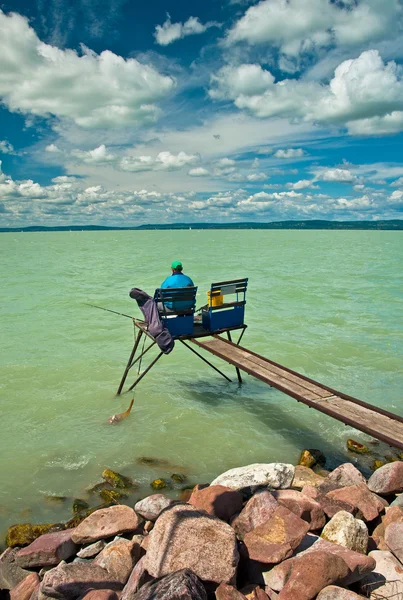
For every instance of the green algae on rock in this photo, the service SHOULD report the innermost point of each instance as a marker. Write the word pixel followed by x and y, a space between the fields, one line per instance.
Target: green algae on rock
pixel 117 480
pixel 177 478
pixel 24 534
pixel 311 457
pixel 158 484
pixel 79 505
pixel 356 447
pixel 112 495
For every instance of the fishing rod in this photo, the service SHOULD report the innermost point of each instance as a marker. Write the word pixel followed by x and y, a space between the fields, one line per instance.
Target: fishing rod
pixel 111 311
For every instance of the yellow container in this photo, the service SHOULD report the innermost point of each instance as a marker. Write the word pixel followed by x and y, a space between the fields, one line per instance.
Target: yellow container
pixel 216 300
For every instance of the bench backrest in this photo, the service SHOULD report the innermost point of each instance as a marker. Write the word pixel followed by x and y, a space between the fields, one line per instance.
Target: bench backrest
pixel 231 312
pixel 176 307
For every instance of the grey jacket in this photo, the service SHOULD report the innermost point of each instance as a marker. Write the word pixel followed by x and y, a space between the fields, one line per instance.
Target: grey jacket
pixel 155 327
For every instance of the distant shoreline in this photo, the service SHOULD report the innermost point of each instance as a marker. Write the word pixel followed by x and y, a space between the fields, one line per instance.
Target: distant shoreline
pixel 383 225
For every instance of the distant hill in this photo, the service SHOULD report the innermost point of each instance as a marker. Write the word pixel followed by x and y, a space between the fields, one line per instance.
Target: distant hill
pixel 389 225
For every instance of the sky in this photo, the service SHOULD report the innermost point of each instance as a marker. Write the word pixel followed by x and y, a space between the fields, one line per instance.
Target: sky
pixel 122 113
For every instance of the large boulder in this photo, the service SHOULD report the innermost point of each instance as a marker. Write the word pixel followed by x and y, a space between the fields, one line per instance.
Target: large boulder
pixel 151 507
pixel 138 577
pixel 394 514
pixel 119 557
pixel 367 504
pixel 26 587
pixel 47 550
pixel 386 580
pixel 106 522
pixel 181 585
pixel 273 475
pixel 394 539
pixel 387 479
pixel 217 500
pixel 308 577
pixel 67 581
pixel 255 512
pixel 330 506
pixel 276 538
pixel 100 595
pixel 228 592
pixel 184 538
pixel 347 531
pixel 10 572
pixel 333 592
pixel 304 507
pixel 346 474
pixel 305 476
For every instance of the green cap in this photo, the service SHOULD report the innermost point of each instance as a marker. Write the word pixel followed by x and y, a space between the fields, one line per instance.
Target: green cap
pixel 176 264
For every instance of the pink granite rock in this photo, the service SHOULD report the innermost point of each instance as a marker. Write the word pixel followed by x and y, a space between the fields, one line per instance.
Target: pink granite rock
pixel 228 592
pixel 184 538
pixel 308 577
pixel 367 504
pixel 387 479
pixel 394 539
pixel 118 558
pixel 386 580
pixel 181 585
pixel 137 578
pixel 10 573
pixel 217 500
pixel 105 523
pixel 394 514
pixel 305 476
pixel 333 592
pixel 330 506
pixel 67 581
pixel 345 475
pixel 304 507
pixel 100 595
pixel 26 587
pixel 151 507
pixel 47 550
pixel 276 538
pixel 256 511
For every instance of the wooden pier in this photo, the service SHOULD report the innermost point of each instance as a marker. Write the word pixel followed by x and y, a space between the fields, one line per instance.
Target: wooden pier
pixel 370 419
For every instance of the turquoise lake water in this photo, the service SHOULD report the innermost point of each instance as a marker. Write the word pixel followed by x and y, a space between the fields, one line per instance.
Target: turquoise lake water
pixel 328 304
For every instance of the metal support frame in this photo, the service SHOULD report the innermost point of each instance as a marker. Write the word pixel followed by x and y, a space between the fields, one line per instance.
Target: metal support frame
pixel 129 363
pixel 150 366
pixel 238 372
pixel 206 361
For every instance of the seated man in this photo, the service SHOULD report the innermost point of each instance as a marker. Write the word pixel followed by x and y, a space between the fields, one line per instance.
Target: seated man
pixel 177 280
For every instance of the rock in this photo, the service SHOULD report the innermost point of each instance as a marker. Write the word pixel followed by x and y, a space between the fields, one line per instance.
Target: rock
pixel 91 550
pixel 75 579
pixel 148 526
pixel 333 592
pixel 398 501
pixel 26 587
pixel 25 533
pixel 47 550
pixel 308 577
pixel 367 503
pixel 255 512
pixel 304 507
pixel 305 476
pixel 151 507
pixel 112 496
pixel 178 478
pixel 184 538
pixel 227 592
pixel 310 458
pixel 394 539
pixel 387 479
pixel 181 585
pixel 272 475
pixel 345 475
pixel 346 531
pixel 159 484
pixel 276 538
pixel 330 506
pixel 117 480
pixel 105 523
pixel 100 595
pixel 10 573
pixel 217 500
pixel 79 505
pixel 394 514
pixel 137 578
pixel 386 580
pixel 377 464
pixel 118 558
pixel 356 447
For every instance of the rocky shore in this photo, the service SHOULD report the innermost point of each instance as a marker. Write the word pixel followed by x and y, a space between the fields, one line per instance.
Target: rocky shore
pixel 258 532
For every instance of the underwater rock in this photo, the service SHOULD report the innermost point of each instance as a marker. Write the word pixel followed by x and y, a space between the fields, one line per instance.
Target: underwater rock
pixel 112 496
pixel 377 464
pixel 55 499
pixel 177 478
pixel 117 480
pixel 79 505
pixel 159 484
pixel 356 447
pixel 312 457
pixel 98 487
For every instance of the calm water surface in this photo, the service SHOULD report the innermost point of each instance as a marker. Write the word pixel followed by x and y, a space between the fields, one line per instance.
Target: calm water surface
pixel 325 303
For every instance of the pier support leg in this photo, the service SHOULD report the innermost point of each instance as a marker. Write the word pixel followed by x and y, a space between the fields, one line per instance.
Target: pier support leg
pixel 206 361
pixel 129 364
pixel 238 372
pixel 145 371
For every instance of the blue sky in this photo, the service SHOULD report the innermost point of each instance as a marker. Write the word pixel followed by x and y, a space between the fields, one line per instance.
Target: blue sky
pixel 121 113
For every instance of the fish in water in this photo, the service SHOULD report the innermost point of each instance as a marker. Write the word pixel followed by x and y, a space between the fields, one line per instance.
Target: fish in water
pixel 121 416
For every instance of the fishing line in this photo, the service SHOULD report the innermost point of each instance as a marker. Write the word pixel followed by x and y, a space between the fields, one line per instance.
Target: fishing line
pixel 109 310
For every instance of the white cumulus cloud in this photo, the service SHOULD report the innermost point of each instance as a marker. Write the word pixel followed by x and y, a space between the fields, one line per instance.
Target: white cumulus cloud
pixel 93 90
pixel 199 172
pixel 99 156
pixel 336 175
pixel 169 32
pixel 165 161
pixel 289 153
pixel 6 147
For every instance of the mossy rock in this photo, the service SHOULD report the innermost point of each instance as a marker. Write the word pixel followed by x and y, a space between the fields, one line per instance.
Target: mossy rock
pixel 377 464
pixel 356 447
pixel 149 461
pixel 177 478
pixel 55 499
pixel 112 495
pixel 98 487
pixel 312 457
pixel 24 534
pixel 79 505
pixel 159 484
pixel 116 480
pixel 390 458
